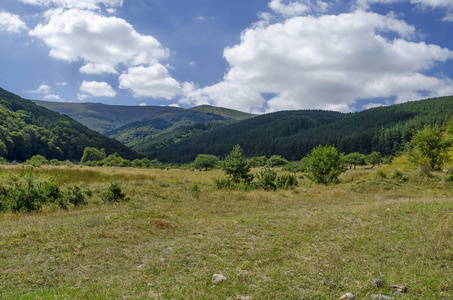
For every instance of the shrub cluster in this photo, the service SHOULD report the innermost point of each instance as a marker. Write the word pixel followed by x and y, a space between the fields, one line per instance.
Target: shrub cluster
pixel 238 175
pixel 28 193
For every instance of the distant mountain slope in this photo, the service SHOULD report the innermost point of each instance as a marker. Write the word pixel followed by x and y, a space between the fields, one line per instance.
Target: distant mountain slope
pixel 136 133
pixel 106 118
pixel 255 135
pixel 27 129
pixel 293 134
pixel 224 112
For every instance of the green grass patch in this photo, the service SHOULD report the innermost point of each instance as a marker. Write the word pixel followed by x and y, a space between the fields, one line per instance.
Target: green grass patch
pixel 166 242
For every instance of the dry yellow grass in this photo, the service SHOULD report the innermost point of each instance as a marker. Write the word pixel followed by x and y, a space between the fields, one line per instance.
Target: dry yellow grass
pixel 313 242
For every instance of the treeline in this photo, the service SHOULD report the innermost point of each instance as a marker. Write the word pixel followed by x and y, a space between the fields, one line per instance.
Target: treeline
pixel 293 134
pixel 27 129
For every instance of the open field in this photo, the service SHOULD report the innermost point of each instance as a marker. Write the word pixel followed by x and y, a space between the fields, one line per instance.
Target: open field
pixel 176 231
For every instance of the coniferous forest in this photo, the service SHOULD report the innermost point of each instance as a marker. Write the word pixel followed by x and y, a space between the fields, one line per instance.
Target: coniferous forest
pixel 292 134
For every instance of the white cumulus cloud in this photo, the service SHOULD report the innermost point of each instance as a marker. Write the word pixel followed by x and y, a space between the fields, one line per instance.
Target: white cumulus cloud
pixel 11 23
pixel 151 81
pixel 79 4
pixel 326 62
pixel 47 92
pixel 103 43
pixel 96 89
pixel 291 8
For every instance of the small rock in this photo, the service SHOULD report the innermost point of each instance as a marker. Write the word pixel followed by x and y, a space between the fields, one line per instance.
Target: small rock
pixel 218 278
pixel 399 288
pixel 347 296
pixel 377 283
pixel 374 296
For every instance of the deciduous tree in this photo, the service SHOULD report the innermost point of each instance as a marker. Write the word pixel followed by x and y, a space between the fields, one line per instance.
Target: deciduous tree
pixel 325 164
pixel 430 147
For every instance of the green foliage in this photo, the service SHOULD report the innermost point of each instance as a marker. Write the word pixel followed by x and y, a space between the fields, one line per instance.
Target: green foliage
pixel 355 159
pixel 325 164
pixel 269 180
pixel 37 161
pixel 257 161
pixel 287 181
pixel 113 194
pixel 235 165
pixel 292 166
pixel 276 161
pixel 28 193
pixel 224 183
pixel 28 129
pixel 205 161
pixel 375 158
pixel 141 163
pixel 398 175
pixel 115 160
pixel 293 134
pixel 24 195
pixel 303 164
pixel 92 155
pixel 266 179
pixel 429 146
pixel 449 177
pixel 76 196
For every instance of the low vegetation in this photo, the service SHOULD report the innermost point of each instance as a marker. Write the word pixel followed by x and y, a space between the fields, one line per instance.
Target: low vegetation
pixel 176 230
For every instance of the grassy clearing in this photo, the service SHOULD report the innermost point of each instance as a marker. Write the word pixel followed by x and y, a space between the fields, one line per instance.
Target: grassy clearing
pixel 313 242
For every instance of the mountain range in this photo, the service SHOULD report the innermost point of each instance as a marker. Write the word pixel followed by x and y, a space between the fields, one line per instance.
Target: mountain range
pixel 173 134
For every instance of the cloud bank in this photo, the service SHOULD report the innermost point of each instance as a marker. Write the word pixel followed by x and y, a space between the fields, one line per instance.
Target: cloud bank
pixel 326 62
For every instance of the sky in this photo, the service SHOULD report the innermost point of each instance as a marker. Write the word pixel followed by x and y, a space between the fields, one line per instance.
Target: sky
pixel 255 56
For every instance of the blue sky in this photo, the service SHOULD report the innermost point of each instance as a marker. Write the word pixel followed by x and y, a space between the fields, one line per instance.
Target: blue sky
pixel 255 55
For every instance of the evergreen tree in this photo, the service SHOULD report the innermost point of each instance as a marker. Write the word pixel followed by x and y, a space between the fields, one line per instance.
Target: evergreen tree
pixel 235 164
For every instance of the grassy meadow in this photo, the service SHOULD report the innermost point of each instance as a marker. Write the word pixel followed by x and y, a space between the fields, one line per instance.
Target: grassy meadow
pixel 176 231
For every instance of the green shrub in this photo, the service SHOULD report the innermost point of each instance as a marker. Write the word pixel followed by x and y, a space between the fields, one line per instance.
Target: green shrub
pixel 113 194
pixel 37 161
pixel 398 175
pixel 52 194
pixel 223 183
pixel 76 196
pixel 287 181
pixel 276 161
pixel 24 194
pixel 266 179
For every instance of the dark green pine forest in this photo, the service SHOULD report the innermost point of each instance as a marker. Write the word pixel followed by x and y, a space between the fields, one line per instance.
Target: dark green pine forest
pixel 27 129
pixel 292 134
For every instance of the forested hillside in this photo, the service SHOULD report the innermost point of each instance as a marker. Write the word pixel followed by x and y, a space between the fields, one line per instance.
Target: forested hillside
pixel 255 135
pixel 292 134
pixel 140 132
pixel 27 129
